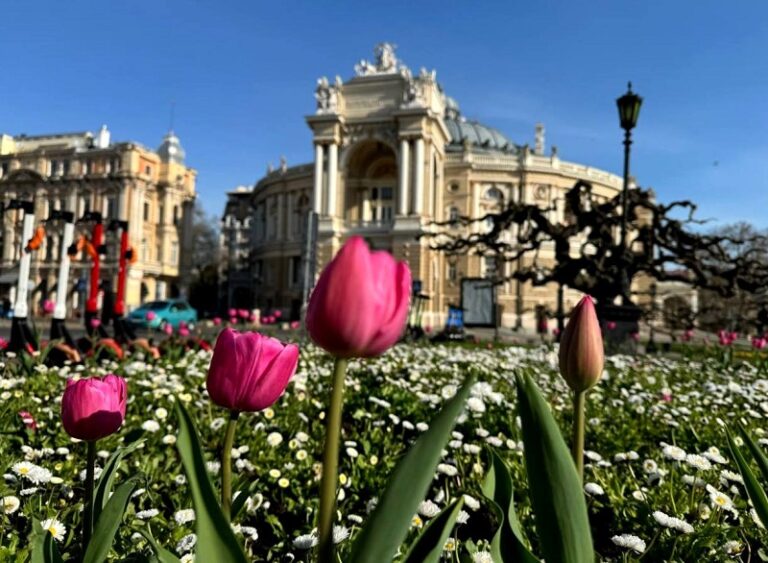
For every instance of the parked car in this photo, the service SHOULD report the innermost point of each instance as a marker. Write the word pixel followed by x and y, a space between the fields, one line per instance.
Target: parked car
pixel 157 314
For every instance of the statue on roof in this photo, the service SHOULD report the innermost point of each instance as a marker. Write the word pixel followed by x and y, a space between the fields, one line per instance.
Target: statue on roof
pixel 385 62
pixel 327 95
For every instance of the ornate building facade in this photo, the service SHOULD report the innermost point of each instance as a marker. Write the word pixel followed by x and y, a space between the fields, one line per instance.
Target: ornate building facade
pixel 153 190
pixel 392 154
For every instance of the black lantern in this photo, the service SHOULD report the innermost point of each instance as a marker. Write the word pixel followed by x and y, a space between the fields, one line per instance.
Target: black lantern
pixel 629 109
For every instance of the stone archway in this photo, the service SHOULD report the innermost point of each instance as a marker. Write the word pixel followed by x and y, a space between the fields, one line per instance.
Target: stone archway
pixel 370 186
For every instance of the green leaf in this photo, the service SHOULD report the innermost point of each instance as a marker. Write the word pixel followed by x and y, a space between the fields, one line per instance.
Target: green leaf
pixel 388 526
pixel 107 478
pixel 757 452
pixel 429 545
pixel 241 498
pixel 109 521
pixel 559 508
pixel 754 489
pixel 162 554
pixel 215 539
pixel 44 548
pixel 508 543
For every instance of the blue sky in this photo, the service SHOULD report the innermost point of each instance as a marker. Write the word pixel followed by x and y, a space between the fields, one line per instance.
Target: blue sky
pixel 242 75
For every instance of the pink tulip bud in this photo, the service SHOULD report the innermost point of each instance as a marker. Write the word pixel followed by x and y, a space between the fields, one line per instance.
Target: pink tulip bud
pixel 168 329
pixel 759 342
pixel 151 316
pixel 581 347
pixel 359 305
pixel 216 321
pixel 232 320
pixel 28 420
pixel 232 313
pixel 244 314
pixel 687 335
pixel 95 323
pixel 295 325
pixel 48 306
pixel 183 331
pixel 249 371
pixel 277 314
pixel 610 325
pixel 3 343
pixel 94 408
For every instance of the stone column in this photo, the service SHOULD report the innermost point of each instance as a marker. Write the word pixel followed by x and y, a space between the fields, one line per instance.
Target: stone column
pixel 317 193
pixel 333 169
pixel 402 195
pixel 418 191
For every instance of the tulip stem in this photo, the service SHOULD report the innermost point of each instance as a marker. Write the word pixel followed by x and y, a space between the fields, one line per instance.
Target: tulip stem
pixel 89 478
pixel 579 401
pixel 331 464
pixel 226 466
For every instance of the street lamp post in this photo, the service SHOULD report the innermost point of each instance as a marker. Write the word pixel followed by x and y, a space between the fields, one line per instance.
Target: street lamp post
pixel 629 110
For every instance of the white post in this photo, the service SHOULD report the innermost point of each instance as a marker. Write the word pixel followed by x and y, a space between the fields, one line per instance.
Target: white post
pixel 418 192
pixel 402 196
pixel 317 194
pixel 333 168
pixel 21 308
pixel 60 312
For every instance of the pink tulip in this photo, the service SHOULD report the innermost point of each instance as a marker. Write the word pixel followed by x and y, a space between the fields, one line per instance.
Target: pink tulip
pixel 759 342
pixel 610 325
pixel 95 323
pixel 724 337
pixel 3 343
pixel 48 306
pixel 232 313
pixel 359 305
pixel 277 314
pixel 28 420
pixel 249 371
pixel 232 320
pixel 244 314
pixel 95 407
pixel 168 329
pixel 216 321
pixel 263 320
pixel 253 318
pixel 687 335
pixel 295 325
pixel 183 331
pixel 581 347
pixel 635 336
pixel 150 316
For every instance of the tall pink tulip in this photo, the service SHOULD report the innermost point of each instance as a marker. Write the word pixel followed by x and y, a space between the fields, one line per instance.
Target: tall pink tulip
pixel 581 365
pixel 94 408
pixel 581 347
pixel 249 371
pixel 360 303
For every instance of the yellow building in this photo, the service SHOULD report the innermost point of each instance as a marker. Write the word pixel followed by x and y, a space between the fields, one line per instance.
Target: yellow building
pixel 153 190
pixel 393 153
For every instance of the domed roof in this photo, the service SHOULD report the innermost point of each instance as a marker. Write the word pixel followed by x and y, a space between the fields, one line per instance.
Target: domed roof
pixel 475 133
pixel 171 150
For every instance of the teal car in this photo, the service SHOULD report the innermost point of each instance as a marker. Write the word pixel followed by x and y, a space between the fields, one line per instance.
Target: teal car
pixel 158 314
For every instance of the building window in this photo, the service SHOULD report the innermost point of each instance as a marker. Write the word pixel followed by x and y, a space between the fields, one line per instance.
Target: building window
pixel 3 169
pixel 452 273
pixel 381 204
pixel 111 208
pixel 159 251
pixel 65 168
pixel 489 263
pixel 144 250
pixel 146 211
pixel 148 170
pixel 295 271
pixel 174 253
pixel 176 215
pixel 87 167
pixel 453 216
pixel 53 168
pixel 453 188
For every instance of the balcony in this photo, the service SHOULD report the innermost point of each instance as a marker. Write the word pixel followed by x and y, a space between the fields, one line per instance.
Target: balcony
pixel 373 226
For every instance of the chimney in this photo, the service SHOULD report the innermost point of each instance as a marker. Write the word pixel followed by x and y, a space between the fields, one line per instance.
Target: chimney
pixel 538 144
